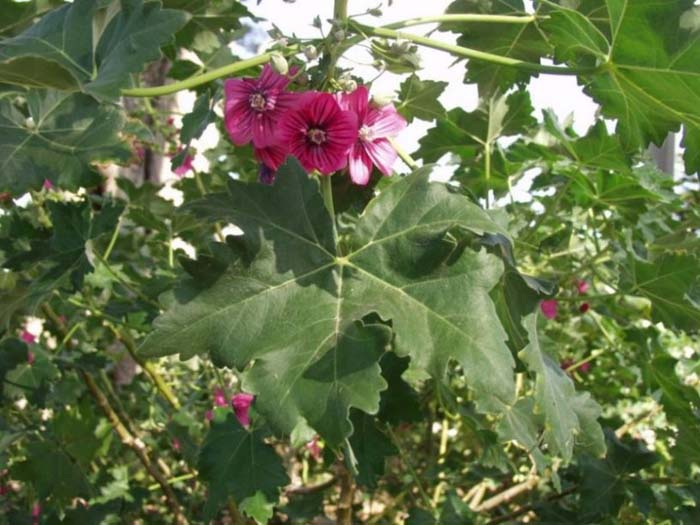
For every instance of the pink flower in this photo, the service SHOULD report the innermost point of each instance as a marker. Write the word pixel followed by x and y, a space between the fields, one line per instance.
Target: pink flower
pixel 209 415
pixel 28 337
pixel 585 368
pixel 241 406
pixel 314 449
pixel 584 308
pixel 36 511
pixel 581 286
pixel 219 397
pixel 272 155
pixel 254 107
pixel 186 166
pixel 176 445
pixel 319 133
pixel 374 126
pixel 48 185
pixel 549 308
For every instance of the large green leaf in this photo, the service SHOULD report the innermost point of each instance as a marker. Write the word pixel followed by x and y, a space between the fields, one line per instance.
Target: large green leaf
pixel 649 76
pixel 294 310
pixel 234 461
pixel 58 138
pixel 89 46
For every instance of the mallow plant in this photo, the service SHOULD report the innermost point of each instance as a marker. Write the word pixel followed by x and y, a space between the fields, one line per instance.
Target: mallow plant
pixel 295 322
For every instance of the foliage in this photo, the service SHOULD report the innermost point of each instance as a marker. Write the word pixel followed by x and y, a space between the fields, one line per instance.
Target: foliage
pixel 309 349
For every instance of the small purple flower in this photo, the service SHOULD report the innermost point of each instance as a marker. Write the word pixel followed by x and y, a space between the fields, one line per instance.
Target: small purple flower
pixel 186 166
pixel 241 406
pixel 581 286
pixel 48 185
pixel 219 397
pixel 28 337
pixel 549 308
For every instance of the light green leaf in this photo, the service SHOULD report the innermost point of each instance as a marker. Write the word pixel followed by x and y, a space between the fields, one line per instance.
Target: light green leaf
pixel 60 51
pixel 258 508
pixel 672 284
pixel 294 309
pixel 419 99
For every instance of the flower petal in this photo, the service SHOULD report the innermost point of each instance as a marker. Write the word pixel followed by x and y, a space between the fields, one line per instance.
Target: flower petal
pixel 359 165
pixel 357 102
pixel 382 154
pixel 385 122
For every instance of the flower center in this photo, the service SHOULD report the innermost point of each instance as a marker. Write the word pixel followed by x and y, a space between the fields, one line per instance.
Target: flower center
pixel 257 102
pixel 366 134
pixel 317 136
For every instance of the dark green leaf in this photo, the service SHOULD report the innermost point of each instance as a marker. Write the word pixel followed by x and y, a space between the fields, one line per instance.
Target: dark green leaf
pixel 419 99
pixel 236 462
pixel 60 51
pixel 370 447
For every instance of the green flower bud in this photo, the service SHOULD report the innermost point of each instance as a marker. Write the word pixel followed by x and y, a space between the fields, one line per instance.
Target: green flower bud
pixel 310 52
pixel 279 63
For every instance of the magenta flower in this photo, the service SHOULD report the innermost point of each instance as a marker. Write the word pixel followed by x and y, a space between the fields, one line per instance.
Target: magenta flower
pixel 48 185
pixel 186 166
pixel 319 133
pixel 375 125
pixel 315 449
pixel 549 308
pixel 209 415
pixel 241 406
pixel 581 286
pixel 219 397
pixel 254 107
pixel 272 155
pixel 176 445
pixel 28 337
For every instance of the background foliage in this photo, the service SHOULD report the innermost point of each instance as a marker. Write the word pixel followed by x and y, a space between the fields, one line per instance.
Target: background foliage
pixel 425 353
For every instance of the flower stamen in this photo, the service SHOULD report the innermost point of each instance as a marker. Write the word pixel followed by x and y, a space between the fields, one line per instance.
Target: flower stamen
pixel 258 102
pixel 317 136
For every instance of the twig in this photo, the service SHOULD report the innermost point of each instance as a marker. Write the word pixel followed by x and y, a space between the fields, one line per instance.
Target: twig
pixel 320 487
pixel 508 494
pixel 347 492
pixel 527 508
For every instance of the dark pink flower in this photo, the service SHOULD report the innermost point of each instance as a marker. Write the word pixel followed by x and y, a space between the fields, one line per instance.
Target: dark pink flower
pixel 176 445
pixel 48 185
pixel 566 363
pixel 219 397
pixel 314 449
pixel 549 308
pixel 186 166
pixel 209 415
pixel 319 133
pixel 30 358
pixel 585 367
pixel 36 511
pixel 581 286
pixel 584 308
pixel 241 406
pixel 254 107
pixel 272 155
pixel 28 337
pixel 4 489
pixel 375 125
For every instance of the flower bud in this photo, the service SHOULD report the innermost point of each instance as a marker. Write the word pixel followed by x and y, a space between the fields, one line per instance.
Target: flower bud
pixel 279 63
pixel 339 35
pixel 382 99
pixel 310 52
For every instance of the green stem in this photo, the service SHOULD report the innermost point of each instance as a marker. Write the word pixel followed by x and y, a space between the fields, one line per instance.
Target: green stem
pixel 466 17
pixel 340 9
pixel 465 52
pixel 327 192
pixel 113 240
pixel 408 160
pixel 198 80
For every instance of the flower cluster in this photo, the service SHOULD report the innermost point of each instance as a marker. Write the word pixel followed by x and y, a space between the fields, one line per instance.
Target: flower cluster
pixel 325 132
